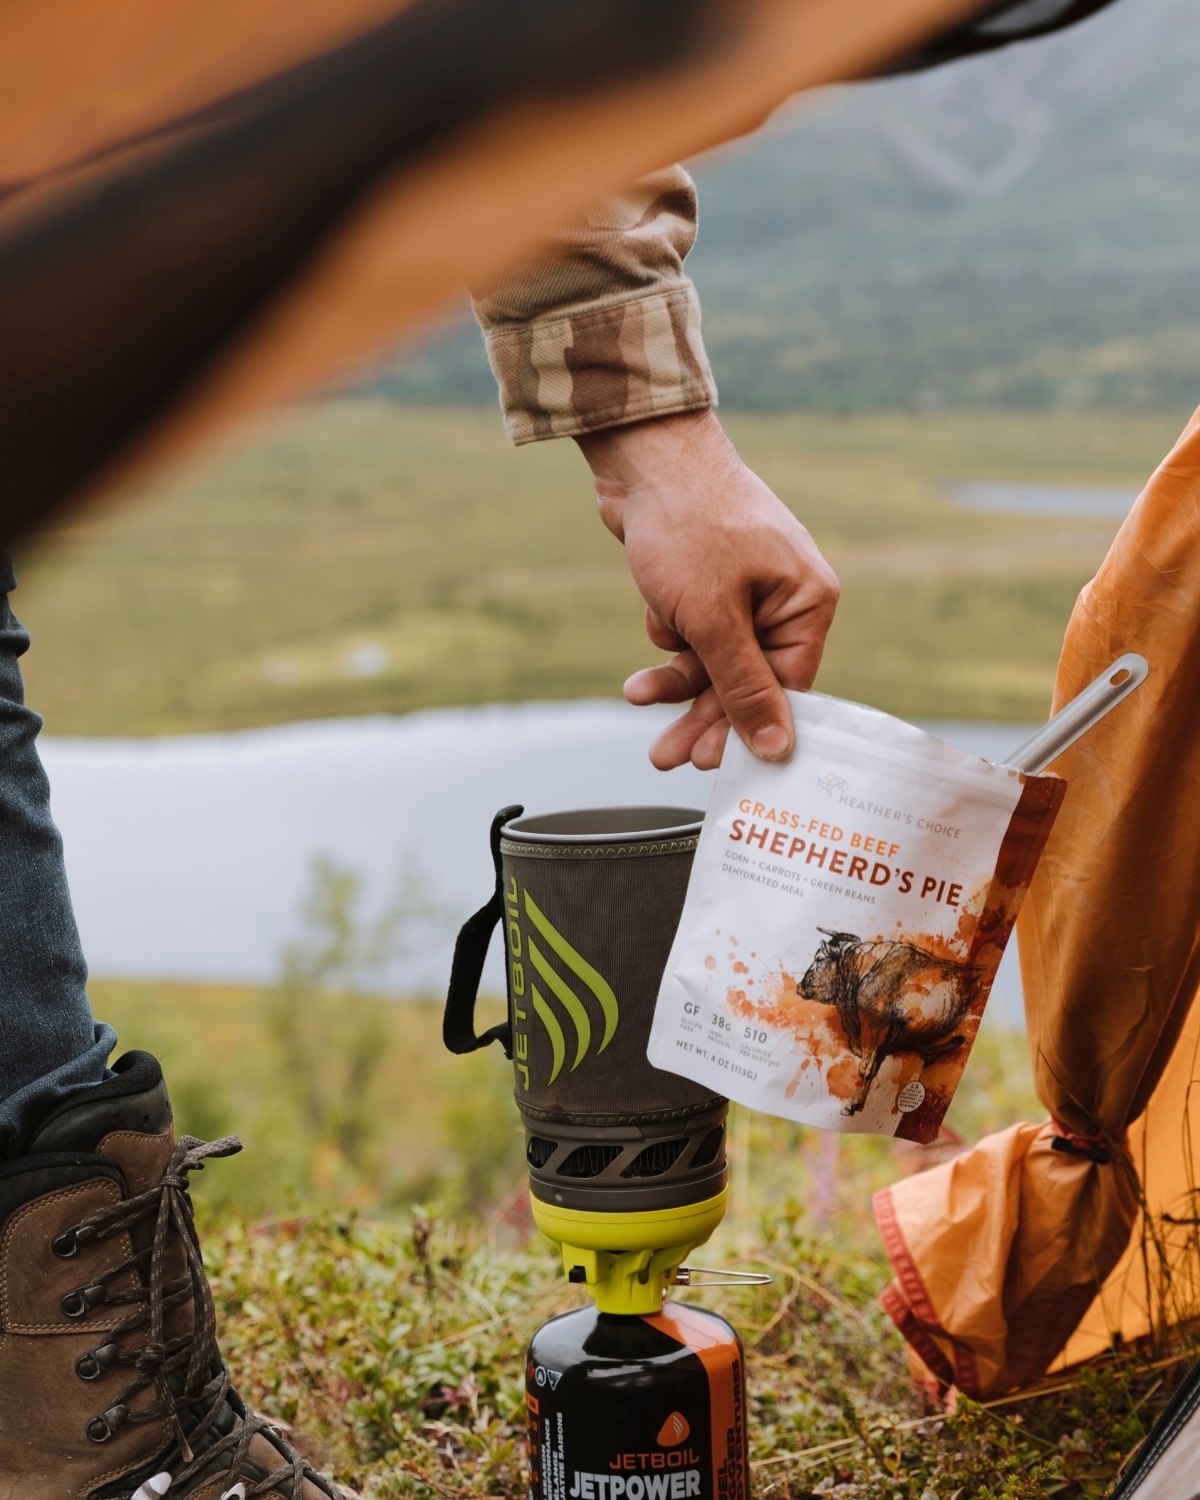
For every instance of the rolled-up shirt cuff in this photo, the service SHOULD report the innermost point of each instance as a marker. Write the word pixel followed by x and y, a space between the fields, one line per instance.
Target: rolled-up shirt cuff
pixel 602 365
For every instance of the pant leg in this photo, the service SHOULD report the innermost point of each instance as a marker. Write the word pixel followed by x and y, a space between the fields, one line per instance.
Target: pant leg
pixel 50 1044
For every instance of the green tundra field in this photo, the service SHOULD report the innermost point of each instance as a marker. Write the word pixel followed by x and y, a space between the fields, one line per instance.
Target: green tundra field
pixel 361 556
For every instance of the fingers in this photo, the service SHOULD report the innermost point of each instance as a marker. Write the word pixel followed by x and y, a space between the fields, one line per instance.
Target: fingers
pixel 750 664
pixel 699 735
pixel 675 744
pixel 695 736
pixel 748 688
pixel 674 681
pixel 754 665
pixel 791 654
pixel 709 748
pixel 795 665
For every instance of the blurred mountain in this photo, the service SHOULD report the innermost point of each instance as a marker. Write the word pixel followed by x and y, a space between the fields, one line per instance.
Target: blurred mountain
pixel 1019 229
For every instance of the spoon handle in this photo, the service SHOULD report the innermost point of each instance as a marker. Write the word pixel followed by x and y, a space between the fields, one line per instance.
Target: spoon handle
pixel 1088 708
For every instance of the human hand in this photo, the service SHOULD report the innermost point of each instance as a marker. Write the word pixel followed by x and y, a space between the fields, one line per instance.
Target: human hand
pixel 733 584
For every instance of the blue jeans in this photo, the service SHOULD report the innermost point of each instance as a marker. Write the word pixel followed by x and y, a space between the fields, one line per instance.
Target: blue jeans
pixel 50 1044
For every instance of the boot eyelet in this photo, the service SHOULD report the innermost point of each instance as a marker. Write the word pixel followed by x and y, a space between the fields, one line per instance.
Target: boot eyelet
pixel 70 1241
pixel 92 1365
pixel 78 1303
pixel 100 1429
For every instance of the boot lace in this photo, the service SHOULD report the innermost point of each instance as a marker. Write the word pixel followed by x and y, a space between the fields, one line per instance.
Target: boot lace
pixel 187 1372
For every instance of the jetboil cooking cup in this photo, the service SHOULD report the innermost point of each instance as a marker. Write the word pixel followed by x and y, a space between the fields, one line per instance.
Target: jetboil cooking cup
pixel 626 1162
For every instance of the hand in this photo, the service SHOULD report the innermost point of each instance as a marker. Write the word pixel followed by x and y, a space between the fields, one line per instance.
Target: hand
pixel 733 584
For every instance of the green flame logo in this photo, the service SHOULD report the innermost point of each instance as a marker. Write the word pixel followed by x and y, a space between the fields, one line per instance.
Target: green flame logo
pixel 568 998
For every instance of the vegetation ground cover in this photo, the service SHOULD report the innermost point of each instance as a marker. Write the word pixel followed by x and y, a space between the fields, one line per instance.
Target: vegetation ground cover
pixel 361 556
pixel 378 1275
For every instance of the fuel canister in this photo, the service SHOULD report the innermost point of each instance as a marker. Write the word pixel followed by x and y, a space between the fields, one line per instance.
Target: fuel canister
pixel 628 1407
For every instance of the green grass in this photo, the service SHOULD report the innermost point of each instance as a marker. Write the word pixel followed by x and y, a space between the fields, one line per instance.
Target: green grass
pixel 392 1335
pixel 396 1351
pixel 249 1061
pixel 237 593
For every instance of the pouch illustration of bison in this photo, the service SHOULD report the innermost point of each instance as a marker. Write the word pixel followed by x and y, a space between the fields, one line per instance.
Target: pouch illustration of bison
pixel 890 997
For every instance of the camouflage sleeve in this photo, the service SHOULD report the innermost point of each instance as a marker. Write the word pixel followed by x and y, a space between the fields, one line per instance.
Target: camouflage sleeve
pixel 604 329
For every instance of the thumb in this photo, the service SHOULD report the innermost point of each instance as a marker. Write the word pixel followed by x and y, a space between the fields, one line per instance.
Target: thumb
pixel 749 690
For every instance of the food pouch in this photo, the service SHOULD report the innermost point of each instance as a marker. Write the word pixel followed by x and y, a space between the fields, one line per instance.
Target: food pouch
pixel 844 920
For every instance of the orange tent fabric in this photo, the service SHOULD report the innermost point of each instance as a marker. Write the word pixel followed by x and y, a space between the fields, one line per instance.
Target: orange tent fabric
pixel 1000 1254
pixel 1156 1282
pixel 207 205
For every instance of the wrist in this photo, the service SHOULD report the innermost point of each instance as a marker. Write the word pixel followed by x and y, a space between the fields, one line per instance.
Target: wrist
pixel 622 457
pixel 649 459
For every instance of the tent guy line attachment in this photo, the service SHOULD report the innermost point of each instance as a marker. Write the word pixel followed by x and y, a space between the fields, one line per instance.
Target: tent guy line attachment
pixel 1084 711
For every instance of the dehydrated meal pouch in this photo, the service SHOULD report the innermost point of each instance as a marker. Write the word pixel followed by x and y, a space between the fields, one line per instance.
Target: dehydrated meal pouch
pixel 844 920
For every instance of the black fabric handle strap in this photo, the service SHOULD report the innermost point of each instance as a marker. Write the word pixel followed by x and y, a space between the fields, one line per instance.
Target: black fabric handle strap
pixel 470 953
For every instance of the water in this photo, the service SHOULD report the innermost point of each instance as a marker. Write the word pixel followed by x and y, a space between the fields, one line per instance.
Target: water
pixel 189 857
pixel 1087 502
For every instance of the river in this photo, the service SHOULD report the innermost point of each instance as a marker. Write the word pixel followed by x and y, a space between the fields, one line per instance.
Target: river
pixel 1079 501
pixel 189 857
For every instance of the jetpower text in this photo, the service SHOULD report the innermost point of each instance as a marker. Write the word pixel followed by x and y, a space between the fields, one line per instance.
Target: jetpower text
pixel 678 1485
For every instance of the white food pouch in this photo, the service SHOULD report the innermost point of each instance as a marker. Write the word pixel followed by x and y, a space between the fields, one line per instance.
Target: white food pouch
pixel 845 917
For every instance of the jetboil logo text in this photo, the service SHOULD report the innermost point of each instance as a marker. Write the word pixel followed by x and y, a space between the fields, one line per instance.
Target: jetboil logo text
pixel 539 985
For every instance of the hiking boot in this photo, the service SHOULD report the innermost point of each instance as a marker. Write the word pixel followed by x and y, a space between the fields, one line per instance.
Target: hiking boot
pixel 109 1369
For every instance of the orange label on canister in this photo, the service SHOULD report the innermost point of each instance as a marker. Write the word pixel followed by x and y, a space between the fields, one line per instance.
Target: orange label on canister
pixel 719 1350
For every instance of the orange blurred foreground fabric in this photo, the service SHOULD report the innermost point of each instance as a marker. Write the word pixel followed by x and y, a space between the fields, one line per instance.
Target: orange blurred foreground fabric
pixel 1002 1254
pixel 209 205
